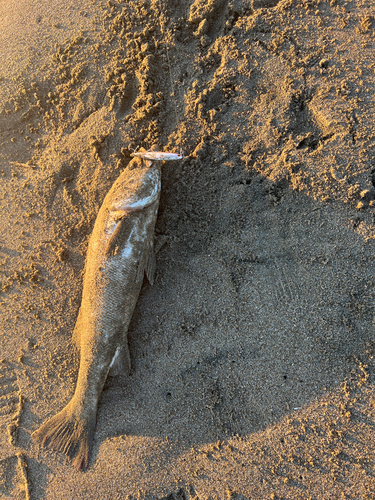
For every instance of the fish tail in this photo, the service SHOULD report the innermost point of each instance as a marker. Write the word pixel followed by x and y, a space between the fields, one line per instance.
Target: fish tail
pixel 69 433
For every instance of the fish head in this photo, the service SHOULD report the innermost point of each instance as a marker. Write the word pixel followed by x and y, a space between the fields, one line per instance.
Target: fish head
pixel 138 186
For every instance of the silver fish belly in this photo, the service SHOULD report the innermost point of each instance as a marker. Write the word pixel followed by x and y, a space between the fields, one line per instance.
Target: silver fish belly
pixel 120 252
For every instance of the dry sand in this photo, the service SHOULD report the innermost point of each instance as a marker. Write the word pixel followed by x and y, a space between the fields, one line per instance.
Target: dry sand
pixel 252 354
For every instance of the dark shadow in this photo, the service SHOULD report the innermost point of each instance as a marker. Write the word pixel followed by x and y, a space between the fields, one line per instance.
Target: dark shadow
pixel 253 314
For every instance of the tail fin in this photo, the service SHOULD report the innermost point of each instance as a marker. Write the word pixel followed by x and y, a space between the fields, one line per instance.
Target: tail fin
pixel 69 433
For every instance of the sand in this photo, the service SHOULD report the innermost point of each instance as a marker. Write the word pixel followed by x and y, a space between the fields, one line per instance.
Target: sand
pixel 252 354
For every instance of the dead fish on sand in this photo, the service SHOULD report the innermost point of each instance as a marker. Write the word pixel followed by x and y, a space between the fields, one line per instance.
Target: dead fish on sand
pixel 120 251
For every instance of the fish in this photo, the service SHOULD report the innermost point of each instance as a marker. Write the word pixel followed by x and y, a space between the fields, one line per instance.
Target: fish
pixel 120 253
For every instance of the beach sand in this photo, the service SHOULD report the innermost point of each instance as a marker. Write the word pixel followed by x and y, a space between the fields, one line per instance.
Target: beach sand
pixel 252 354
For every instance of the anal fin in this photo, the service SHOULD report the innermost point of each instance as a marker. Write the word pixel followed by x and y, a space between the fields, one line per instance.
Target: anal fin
pixel 121 361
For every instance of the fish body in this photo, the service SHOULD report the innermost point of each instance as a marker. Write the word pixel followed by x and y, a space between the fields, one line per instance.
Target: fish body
pixel 120 251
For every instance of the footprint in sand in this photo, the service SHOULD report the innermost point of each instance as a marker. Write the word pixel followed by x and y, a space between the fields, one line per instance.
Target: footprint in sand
pixel 13 469
pixel 9 400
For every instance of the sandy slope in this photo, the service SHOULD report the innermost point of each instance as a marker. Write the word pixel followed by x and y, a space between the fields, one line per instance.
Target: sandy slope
pixel 253 352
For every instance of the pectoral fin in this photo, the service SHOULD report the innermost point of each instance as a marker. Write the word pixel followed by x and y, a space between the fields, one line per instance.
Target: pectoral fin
pixel 119 236
pixel 151 267
pixel 147 264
